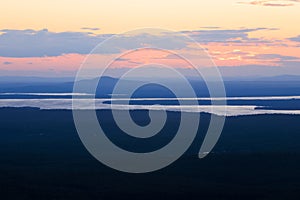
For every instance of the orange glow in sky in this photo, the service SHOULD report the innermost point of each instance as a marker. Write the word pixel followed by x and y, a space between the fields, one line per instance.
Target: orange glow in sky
pixel 280 19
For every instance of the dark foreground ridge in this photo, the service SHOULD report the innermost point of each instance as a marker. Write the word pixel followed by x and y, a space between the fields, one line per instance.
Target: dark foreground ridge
pixel 42 157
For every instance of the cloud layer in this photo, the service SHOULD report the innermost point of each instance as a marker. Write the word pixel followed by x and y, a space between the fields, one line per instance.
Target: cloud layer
pixel 295 39
pixel 272 3
pixel 36 52
pixel 42 43
pixel 223 35
pixel 32 43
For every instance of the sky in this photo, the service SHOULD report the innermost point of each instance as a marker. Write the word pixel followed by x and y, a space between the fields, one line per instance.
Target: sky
pixel 243 37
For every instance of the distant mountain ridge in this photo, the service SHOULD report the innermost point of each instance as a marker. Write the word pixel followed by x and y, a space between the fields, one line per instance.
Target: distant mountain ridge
pixel 267 86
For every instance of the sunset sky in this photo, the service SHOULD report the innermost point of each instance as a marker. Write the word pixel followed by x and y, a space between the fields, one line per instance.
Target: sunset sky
pixel 244 37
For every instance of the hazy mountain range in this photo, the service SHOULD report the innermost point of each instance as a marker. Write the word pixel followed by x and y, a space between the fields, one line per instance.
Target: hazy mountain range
pixel 235 86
